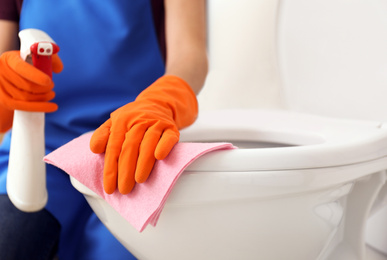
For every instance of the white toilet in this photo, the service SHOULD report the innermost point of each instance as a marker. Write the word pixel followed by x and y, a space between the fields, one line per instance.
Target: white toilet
pixel 302 94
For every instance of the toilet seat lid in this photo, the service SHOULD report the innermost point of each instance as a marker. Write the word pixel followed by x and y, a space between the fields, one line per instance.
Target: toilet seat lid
pixel 301 141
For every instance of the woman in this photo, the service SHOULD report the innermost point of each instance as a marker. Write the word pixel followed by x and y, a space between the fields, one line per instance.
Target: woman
pixel 124 74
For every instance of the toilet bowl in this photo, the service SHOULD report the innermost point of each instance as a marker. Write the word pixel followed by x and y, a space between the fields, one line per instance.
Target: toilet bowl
pixel 299 187
pixel 300 87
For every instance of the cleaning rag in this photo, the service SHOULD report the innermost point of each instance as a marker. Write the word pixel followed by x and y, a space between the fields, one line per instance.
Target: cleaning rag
pixel 144 204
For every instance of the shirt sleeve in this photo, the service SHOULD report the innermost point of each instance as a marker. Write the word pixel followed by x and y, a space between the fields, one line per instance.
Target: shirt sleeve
pixel 10 10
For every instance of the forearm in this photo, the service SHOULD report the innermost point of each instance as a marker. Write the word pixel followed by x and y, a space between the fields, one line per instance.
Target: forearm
pixel 8 41
pixel 186 41
pixel 8 36
pixel 192 67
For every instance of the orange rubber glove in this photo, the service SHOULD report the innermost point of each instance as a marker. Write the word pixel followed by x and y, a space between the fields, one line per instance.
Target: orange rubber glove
pixel 142 131
pixel 24 87
pixel 6 118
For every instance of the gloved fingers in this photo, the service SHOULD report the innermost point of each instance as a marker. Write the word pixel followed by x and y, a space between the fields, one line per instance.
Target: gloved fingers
pixel 146 158
pixel 25 70
pixel 112 154
pixel 40 97
pixel 19 94
pixel 57 65
pixel 129 158
pixel 14 80
pixel 24 87
pixel 169 138
pixel 46 107
pixel 35 105
pixel 119 168
pixel 100 137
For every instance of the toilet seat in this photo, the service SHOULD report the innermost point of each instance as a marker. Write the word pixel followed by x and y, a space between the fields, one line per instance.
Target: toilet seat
pixel 301 141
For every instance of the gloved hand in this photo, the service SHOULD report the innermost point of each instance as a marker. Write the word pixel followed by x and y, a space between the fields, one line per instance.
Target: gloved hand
pixel 142 131
pixel 24 87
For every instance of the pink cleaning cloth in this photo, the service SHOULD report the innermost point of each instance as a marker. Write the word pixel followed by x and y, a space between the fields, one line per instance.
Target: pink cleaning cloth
pixel 144 204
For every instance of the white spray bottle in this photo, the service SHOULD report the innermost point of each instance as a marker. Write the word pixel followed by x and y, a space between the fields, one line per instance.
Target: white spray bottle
pixel 26 179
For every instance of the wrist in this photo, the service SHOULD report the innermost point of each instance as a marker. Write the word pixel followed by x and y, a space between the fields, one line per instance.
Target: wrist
pixel 175 94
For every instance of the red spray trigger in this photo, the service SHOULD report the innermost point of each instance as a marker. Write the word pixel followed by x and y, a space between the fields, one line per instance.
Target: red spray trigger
pixel 42 56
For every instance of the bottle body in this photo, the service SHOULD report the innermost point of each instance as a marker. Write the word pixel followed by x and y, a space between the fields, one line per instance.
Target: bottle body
pixel 26 180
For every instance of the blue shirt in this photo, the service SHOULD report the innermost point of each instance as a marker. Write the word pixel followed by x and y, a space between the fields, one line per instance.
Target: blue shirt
pixel 110 54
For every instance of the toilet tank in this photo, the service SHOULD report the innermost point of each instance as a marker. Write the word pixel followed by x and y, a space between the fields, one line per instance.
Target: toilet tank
pixel 326 57
pixel 332 57
pixel 243 69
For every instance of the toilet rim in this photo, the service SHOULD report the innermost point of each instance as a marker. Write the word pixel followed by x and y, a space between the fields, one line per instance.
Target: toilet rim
pixel 331 152
pixel 310 141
